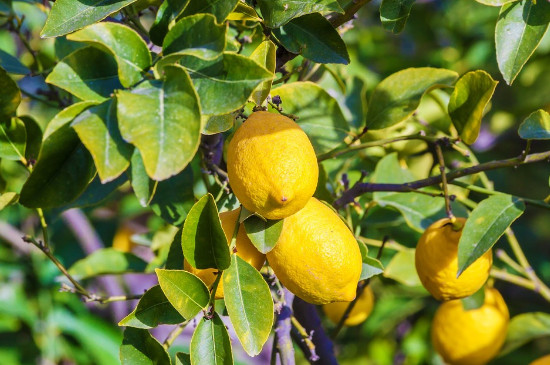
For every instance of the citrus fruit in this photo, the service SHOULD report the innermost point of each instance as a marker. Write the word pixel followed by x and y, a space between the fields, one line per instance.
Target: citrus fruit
pixel 122 240
pixel 316 256
pixel 271 165
pixel 470 337
pixel 245 250
pixel 545 360
pixel 359 313
pixel 437 263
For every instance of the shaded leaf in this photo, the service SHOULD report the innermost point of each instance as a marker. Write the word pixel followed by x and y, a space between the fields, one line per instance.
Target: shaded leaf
pixel 394 14
pixel 219 8
pixel 203 241
pixel 520 28
pixel 13 137
pixel 123 43
pixel 11 64
pixel 536 126
pixel 183 359
pixel 471 94
pixel 398 95
pixel 279 12
pixel 263 234
pixel 139 347
pixel 526 327
pixel 143 186
pixel 174 261
pixel 186 292
pixel 96 192
pixel 11 95
pixel 249 304
pixel 34 137
pixel 106 261
pixel 314 37
pixel 487 222
pixel 8 199
pixel 475 300
pixel 210 343
pixel 264 54
pixel 152 310
pixel 401 268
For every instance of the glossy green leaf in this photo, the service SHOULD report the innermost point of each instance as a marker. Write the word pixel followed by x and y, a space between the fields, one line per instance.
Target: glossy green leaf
pixel 106 261
pixel 219 8
pixel 475 300
pixel 488 221
pixel 264 55
pixel 64 166
pixel 371 266
pixel 34 137
pixel 139 347
pixel 249 304
pixel 8 199
pixel 167 12
pixel 263 234
pixel 95 193
pixel 11 64
pixel 13 137
pixel 183 359
pixel 520 28
pixel 470 97
pixel 11 95
pixel 143 186
pixel 123 43
pixel 203 240
pixel 230 78
pixel 198 35
pixel 162 119
pixel 186 292
pixel 152 310
pixel 174 260
pixel 319 114
pixel 524 328
pixel 210 343
pixel 219 123
pixel 244 12
pixel 79 74
pixel 398 95
pixel 495 2
pixel 536 126
pixel 98 129
pixel 67 16
pixel 394 14
pixel 279 12
pixel 314 37
pixel 401 268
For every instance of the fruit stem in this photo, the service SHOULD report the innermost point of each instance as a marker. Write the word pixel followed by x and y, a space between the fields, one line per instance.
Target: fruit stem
pixel 174 334
pixel 452 218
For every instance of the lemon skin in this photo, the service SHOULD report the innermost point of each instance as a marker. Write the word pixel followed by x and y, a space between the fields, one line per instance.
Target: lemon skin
pixel 545 360
pixel 122 239
pixel 360 312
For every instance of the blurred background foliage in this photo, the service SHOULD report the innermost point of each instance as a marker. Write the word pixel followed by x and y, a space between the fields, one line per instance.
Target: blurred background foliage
pixel 40 325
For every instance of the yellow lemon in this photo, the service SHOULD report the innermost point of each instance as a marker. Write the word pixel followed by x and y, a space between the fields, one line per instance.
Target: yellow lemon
pixel 245 250
pixel 317 257
pixel 271 165
pixel 470 337
pixel 361 310
pixel 545 360
pixel 122 240
pixel 437 263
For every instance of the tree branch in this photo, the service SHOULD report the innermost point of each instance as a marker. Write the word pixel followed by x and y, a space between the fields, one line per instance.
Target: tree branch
pixel 349 13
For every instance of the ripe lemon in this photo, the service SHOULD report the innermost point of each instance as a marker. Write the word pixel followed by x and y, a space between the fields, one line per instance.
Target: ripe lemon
pixel 122 240
pixel 470 337
pixel 437 263
pixel 545 360
pixel 271 165
pixel 359 313
pixel 317 257
pixel 245 250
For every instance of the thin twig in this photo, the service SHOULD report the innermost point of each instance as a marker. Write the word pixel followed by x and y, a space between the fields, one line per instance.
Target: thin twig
pixel 349 13
pixel 443 173
pixel 174 334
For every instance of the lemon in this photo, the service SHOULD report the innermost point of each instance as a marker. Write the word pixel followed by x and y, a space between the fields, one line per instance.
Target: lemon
pixel 122 240
pixel 545 360
pixel 245 250
pixel 470 337
pixel 271 165
pixel 359 313
pixel 437 263
pixel 316 256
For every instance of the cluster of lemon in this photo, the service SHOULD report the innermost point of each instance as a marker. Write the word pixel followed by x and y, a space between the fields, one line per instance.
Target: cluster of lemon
pixel 273 171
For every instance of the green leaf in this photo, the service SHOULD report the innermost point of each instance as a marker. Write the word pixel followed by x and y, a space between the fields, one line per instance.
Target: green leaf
pixel 123 43
pixel 210 343
pixel 13 137
pixel 11 95
pixel 536 126
pixel 80 75
pixel 524 328
pixel 371 266
pixel 174 261
pixel 106 261
pixel 139 347
pixel 264 55
pixel 162 119
pixel 279 12
pixel 471 94
pixel 198 35
pixel 219 123
pixel 230 78
pixel 183 359
pixel 244 12
pixel 495 2
pixel 95 193
pixel 8 199
pixel 98 129
pixel 520 28
pixel 203 242
pixel 263 234
pixel 5 6
pixel 401 268
pixel 398 95
pixel 152 310
pixel 67 16
pixel 488 221
pixel 143 186
pixel 168 11
pixel 34 137
pixel 475 300
pixel 249 304
pixel 314 37
pixel 319 114
pixel 186 292
pixel 219 8
pixel 64 166
pixel 394 14
pixel 11 64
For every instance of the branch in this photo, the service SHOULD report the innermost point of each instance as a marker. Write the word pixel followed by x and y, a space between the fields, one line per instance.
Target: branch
pixel 362 188
pixel 283 326
pixel 349 13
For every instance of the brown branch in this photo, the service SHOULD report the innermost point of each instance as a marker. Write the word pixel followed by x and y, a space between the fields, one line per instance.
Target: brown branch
pixel 349 13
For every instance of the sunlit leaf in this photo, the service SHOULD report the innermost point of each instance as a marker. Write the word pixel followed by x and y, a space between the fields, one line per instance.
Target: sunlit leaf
pixel 106 261
pixel 402 269
pixel 263 234
pixel 13 138
pixel 219 8
pixel 8 199
pixel 280 12
pixel 139 347
pixel 210 343
pixel 10 97
pixel 526 327
pixel 186 292
pixel 264 54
